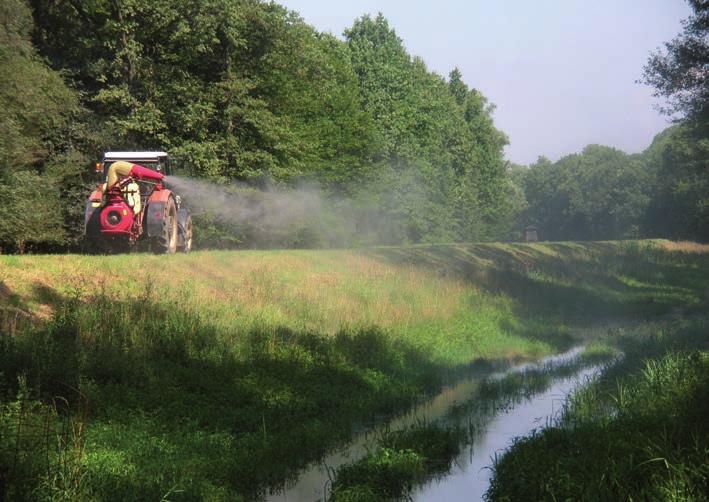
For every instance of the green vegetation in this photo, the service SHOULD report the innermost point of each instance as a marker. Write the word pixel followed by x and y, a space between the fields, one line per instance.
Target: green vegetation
pixel 219 374
pixel 246 95
pixel 603 193
pixel 36 111
pixel 639 432
pixel 402 459
pixel 243 91
pixel 600 193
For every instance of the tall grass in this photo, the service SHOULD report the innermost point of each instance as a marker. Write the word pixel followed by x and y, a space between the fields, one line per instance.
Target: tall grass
pixel 219 374
pixel 173 404
pixel 401 460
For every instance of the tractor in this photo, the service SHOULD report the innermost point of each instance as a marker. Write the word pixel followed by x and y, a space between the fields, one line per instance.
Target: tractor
pixel 132 208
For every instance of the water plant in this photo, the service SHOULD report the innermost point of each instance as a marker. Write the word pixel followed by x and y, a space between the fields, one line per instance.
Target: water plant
pixel 402 459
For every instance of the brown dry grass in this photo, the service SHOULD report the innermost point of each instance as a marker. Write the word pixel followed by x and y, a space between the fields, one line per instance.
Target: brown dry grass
pixel 320 290
pixel 683 246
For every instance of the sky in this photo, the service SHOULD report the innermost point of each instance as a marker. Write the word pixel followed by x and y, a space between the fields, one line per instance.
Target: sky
pixel 562 73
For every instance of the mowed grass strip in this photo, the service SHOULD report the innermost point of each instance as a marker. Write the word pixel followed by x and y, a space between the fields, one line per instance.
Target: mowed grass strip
pixel 236 292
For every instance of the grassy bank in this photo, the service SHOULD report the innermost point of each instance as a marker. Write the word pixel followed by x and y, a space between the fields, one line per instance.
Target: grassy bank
pixel 640 432
pixel 218 374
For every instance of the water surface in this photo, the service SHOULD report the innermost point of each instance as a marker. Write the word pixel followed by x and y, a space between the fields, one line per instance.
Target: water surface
pixel 470 477
pixel 497 420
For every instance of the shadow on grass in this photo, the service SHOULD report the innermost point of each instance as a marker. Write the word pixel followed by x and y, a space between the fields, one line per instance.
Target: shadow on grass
pixel 14 313
pixel 176 406
pixel 571 281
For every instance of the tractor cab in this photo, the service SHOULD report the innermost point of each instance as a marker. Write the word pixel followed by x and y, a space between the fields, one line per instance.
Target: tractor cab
pixel 157 161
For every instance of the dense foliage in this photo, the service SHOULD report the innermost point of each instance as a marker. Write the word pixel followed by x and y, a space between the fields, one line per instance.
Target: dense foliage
pixel 678 161
pixel 680 71
pixel 244 91
pixel 603 193
pixel 36 108
pixel 597 194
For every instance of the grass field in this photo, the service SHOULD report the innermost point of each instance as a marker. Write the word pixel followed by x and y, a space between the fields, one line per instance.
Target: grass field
pixel 216 375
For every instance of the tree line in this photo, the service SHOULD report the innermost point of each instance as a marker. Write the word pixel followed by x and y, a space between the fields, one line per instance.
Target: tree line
pixel 603 193
pixel 244 90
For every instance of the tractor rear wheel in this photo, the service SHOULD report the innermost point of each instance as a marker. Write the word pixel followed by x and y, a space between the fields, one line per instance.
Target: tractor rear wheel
pixel 166 242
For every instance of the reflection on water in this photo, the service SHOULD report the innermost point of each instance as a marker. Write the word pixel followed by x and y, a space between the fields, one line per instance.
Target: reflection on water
pixel 470 476
pixel 498 418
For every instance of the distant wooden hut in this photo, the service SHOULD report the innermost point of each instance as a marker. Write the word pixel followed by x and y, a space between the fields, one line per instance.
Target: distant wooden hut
pixel 530 234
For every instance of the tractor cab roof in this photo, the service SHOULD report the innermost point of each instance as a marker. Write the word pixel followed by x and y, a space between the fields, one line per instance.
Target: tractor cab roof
pixel 158 161
pixel 135 156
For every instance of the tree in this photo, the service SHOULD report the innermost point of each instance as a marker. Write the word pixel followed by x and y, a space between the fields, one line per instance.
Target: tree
pixel 679 206
pixel 35 112
pixel 34 101
pixel 681 72
pixel 601 193
pixel 485 158
pixel 30 213
pixel 239 88
pixel 678 156
pixel 434 133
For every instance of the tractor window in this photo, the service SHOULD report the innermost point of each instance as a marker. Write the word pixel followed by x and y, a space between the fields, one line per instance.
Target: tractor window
pixel 165 166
